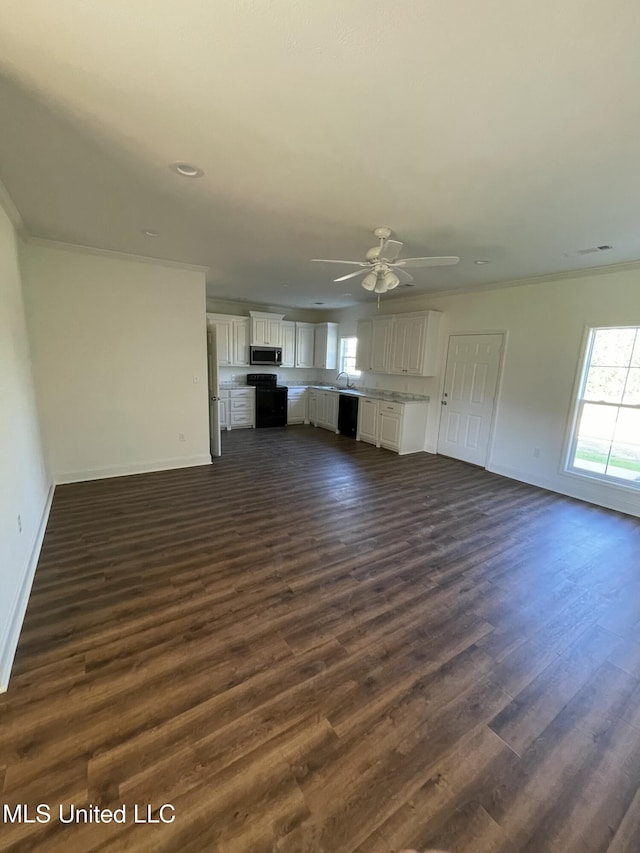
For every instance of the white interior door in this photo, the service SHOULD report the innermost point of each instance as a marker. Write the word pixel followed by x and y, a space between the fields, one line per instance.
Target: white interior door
pixel 214 392
pixel 471 379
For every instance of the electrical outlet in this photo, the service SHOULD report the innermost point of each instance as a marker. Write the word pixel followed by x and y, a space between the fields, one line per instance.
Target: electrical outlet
pixel 180 436
pixel 19 524
pixel 536 453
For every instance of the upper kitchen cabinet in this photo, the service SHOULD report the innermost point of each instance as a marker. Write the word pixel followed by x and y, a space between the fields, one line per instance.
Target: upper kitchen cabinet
pixel 232 339
pixel 414 344
pixel 363 351
pixel 288 337
pixel 266 329
pixel 305 338
pixel 326 346
pixel 374 345
pixel 403 344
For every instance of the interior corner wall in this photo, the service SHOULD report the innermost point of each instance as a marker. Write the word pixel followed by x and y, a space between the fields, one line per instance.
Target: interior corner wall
pixel 120 362
pixel 25 486
pixel 544 323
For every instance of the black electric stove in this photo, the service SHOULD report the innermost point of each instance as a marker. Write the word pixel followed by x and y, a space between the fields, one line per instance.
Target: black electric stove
pixel 271 400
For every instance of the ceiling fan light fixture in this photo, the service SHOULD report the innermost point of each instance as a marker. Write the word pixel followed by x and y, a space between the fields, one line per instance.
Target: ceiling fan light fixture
pixel 380 287
pixel 391 280
pixel 369 281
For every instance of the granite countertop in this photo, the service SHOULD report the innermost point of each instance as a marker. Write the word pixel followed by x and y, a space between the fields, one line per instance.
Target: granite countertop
pixel 372 393
pixel 376 394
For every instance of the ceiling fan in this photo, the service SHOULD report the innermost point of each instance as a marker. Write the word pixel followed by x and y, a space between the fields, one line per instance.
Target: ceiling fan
pixel 381 269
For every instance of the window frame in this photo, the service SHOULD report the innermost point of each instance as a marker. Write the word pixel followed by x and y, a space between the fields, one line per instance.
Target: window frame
pixel 354 372
pixel 578 402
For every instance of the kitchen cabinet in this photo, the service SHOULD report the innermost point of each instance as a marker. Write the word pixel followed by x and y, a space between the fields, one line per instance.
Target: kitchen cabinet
pixel 312 403
pixel 368 420
pixel 266 329
pixel 240 342
pixel 232 339
pixel 325 350
pixel 374 345
pixel 305 340
pixel 390 416
pixel 404 344
pixel 242 408
pixel 363 349
pixel 393 425
pixel 381 334
pixel 297 406
pixel 224 340
pixel 223 409
pixel 323 405
pixel 414 344
pixel 288 337
pixel 407 345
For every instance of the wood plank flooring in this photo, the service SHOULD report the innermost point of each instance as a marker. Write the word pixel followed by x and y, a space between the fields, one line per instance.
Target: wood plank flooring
pixel 314 646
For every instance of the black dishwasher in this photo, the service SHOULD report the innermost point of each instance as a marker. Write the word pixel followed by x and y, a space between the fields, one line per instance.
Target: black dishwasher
pixel 348 415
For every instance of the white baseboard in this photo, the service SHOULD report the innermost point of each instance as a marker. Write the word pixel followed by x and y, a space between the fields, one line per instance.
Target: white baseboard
pixel 135 468
pixel 601 494
pixel 11 634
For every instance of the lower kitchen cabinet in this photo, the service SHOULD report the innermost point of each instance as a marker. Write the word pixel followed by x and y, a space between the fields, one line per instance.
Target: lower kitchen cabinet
pixel 368 420
pixel 297 406
pixel 390 420
pixel 323 408
pixel 223 409
pixel 237 408
pixel 396 426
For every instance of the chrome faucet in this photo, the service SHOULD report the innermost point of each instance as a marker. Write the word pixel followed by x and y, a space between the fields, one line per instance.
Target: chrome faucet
pixel 344 373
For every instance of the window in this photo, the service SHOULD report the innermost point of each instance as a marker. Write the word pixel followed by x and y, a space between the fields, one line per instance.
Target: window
pixel 606 436
pixel 347 361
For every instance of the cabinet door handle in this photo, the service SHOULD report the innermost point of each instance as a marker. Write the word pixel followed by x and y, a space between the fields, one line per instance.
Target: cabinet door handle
pixel 444 402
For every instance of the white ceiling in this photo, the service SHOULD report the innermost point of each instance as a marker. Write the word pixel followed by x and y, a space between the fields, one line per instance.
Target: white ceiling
pixel 483 128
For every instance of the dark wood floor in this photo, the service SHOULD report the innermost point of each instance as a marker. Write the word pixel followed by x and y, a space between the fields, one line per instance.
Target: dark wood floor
pixel 314 646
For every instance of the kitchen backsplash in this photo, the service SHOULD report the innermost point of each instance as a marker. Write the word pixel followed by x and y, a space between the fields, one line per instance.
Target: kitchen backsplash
pixel 290 376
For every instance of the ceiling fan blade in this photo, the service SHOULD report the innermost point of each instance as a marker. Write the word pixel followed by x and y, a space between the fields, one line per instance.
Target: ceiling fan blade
pixel 390 250
pixel 328 261
pixel 427 262
pixel 350 275
pixel 404 277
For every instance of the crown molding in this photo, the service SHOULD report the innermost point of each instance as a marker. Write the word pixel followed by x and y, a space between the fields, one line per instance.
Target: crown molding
pixel 109 253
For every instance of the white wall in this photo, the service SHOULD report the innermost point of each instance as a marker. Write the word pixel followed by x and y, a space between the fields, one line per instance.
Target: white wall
pixel 544 323
pixel 117 343
pixel 25 488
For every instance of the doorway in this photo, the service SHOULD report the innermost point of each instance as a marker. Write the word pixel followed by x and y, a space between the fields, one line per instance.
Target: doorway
pixel 215 445
pixel 469 396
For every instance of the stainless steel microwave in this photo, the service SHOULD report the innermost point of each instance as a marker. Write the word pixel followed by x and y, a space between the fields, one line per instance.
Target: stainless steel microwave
pixel 265 355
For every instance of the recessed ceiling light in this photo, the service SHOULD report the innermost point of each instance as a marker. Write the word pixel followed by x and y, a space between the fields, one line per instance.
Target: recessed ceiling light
pixel 151 233
pixel 187 170
pixel 479 262
pixel 346 294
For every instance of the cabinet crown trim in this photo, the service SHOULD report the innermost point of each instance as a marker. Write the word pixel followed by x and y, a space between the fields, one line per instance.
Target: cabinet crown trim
pixel 262 315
